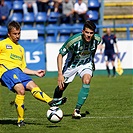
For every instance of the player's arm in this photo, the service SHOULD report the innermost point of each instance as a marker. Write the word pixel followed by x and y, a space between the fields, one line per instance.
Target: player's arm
pixel 60 75
pixel 39 73
pixel 62 52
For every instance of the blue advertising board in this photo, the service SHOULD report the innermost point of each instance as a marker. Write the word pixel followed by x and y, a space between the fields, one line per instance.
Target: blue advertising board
pixel 34 54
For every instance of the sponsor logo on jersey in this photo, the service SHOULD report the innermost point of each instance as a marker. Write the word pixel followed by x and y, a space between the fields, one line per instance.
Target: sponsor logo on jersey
pixel 85 52
pixel 15 57
pixel 8 46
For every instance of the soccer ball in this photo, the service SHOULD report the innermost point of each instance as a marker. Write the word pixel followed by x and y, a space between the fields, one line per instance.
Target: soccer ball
pixel 54 114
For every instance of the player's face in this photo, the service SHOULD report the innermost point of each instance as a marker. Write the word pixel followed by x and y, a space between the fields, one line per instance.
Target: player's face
pixel 14 35
pixel 88 34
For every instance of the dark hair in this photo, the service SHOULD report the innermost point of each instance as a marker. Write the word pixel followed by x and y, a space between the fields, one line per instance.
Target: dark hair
pixel 89 24
pixel 13 24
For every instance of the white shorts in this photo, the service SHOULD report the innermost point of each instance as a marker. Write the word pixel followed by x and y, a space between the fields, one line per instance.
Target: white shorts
pixel 70 73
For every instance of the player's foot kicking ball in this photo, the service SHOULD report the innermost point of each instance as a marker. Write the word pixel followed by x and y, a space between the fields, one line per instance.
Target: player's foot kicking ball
pixel 57 101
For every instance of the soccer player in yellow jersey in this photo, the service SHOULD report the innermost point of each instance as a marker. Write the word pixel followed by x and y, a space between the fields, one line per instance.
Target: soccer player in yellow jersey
pixel 15 75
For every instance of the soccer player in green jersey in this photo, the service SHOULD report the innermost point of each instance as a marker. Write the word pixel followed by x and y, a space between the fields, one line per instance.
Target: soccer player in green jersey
pixel 15 75
pixel 80 49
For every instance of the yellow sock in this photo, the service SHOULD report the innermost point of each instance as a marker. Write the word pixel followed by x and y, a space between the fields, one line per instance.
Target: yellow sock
pixel 38 94
pixel 19 102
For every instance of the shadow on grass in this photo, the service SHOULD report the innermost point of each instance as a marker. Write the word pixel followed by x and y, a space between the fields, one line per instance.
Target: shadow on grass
pixel 14 122
pixel 53 126
pixel 4 122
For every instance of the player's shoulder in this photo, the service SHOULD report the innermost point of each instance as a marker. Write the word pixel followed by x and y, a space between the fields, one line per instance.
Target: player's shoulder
pixel 4 41
pixel 77 35
pixel 97 37
pixel 75 38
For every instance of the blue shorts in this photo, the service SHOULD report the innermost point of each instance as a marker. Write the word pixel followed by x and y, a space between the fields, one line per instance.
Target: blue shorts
pixel 11 77
pixel 109 56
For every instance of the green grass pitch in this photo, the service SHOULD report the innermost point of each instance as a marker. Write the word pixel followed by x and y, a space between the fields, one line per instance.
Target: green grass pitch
pixel 109 104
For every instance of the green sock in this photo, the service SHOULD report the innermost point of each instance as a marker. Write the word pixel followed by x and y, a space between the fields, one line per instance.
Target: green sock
pixel 82 96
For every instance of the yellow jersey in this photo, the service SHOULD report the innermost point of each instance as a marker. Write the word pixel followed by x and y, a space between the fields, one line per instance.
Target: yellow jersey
pixel 11 56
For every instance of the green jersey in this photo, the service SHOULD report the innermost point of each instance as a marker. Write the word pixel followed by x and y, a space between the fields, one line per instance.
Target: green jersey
pixel 79 52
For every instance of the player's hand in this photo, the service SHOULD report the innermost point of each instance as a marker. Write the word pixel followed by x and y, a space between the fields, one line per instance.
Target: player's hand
pixel 61 81
pixel 40 73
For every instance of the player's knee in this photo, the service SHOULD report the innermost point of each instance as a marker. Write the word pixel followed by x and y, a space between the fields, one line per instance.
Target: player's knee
pixel 19 88
pixel 21 92
pixel 86 81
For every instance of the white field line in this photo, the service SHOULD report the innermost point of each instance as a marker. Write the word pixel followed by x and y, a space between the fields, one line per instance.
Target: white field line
pixel 87 117
pixel 108 117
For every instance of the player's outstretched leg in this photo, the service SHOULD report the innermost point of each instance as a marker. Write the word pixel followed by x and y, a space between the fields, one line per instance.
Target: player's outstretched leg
pixel 38 94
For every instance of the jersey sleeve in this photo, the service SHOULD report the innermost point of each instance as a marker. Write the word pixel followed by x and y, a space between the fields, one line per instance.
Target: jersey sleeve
pixel 70 44
pixel 97 38
pixel 63 50
pixel 96 41
pixel 67 46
